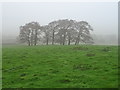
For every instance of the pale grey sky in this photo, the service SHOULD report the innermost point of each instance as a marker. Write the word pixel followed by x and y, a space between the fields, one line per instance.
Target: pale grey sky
pixel 102 16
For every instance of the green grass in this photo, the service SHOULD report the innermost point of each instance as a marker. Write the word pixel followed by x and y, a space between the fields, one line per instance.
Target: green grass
pixel 82 66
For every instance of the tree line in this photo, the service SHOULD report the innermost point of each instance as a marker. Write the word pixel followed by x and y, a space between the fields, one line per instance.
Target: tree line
pixel 63 32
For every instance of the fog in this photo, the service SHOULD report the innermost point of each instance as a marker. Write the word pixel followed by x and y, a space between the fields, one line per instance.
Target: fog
pixel 102 16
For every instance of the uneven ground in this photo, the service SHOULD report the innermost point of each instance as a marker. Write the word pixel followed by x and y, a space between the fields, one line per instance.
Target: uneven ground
pixel 60 66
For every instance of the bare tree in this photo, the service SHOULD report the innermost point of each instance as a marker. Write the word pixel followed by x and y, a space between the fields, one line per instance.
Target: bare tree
pixel 24 35
pixel 70 31
pixel 46 33
pixel 61 31
pixel 83 29
pixel 64 25
pixel 29 33
pixel 53 28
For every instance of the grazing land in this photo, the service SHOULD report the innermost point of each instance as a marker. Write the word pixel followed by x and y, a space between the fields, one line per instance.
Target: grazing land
pixel 56 66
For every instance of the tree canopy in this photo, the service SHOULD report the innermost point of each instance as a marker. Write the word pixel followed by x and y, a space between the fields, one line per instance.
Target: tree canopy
pixel 63 32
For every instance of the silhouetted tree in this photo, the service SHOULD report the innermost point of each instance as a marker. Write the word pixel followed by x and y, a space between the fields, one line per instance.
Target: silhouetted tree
pixel 46 33
pixel 24 35
pixel 29 33
pixel 63 31
pixel 64 25
pixel 83 35
pixel 53 29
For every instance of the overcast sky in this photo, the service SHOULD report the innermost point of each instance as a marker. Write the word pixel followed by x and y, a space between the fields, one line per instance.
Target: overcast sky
pixel 102 16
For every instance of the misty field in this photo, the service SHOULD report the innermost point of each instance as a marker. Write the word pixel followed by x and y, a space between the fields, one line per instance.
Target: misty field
pixel 80 66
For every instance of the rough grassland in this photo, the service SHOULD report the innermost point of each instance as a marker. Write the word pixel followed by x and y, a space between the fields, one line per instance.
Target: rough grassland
pixel 60 66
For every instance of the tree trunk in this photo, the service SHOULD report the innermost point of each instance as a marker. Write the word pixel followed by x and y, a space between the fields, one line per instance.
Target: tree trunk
pixel 77 39
pixel 32 38
pixel 35 38
pixel 28 38
pixel 76 42
pixel 69 40
pixel 60 40
pixel 64 39
pixel 28 43
pixel 53 37
pixel 47 41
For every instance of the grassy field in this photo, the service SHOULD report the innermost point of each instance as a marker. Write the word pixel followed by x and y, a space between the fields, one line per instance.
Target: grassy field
pixel 82 66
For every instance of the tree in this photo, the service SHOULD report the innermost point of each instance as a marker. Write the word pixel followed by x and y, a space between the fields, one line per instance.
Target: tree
pixel 24 35
pixel 53 28
pixel 29 33
pixel 83 29
pixel 70 31
pixel 63 31
pixel 64 25
pixel 46 33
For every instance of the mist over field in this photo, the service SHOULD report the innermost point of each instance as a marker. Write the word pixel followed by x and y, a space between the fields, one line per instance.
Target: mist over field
pixel 98 40
pixel 102 16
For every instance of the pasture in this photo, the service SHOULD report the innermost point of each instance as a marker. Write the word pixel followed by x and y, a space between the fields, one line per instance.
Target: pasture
pixel 55 66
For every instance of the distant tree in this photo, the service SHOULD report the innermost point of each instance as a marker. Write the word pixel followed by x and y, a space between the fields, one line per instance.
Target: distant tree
pixel 63 31
pixel 64 25
pixel 83 35
pixel 29 33
pixel 53 29
pixel 70 31
pixel 24 35
pixel 46 33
